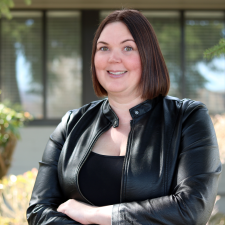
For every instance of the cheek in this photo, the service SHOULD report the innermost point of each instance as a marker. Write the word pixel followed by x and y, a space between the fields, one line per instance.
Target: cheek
pixel 99 66
pixel 136 67
pixel 134 63
pixel 99 61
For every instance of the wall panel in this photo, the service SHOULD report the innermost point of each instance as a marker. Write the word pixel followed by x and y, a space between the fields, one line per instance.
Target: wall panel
pixel 108 4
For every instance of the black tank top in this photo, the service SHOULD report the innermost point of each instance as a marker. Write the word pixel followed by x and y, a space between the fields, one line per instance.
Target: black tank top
pixel 100 179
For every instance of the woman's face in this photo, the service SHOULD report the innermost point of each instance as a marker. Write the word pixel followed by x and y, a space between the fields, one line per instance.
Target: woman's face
pixel 117 61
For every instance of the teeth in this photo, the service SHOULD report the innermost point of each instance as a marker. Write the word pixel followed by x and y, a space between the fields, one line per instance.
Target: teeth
pixel 117 73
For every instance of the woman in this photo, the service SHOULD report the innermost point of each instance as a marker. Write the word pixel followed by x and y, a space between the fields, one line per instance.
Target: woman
pixel 137 157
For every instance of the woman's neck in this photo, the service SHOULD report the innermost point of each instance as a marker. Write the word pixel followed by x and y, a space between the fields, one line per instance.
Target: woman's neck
pixel 121 107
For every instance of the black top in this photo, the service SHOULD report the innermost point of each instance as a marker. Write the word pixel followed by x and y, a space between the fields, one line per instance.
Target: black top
pixel 100 179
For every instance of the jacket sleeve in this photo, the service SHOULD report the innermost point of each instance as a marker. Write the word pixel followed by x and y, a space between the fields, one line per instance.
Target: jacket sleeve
pixel 46 195
pixel 195 181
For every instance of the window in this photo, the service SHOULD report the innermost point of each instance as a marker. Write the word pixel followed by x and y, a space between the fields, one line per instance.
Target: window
pixel 21 64
pixel 64 84
pixel 204 79
pixel 46 88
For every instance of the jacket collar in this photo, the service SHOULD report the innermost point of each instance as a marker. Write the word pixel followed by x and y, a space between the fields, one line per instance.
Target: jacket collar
pixel 135 112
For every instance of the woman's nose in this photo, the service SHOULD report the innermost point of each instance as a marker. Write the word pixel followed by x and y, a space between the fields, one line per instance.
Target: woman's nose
pixel 114 57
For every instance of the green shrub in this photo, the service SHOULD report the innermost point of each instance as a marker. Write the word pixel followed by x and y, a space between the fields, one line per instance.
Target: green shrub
pixel 10 123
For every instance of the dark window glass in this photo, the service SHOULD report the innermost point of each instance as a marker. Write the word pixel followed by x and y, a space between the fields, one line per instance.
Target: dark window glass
pixel 21 65
pixel 204 79
pixel 64 81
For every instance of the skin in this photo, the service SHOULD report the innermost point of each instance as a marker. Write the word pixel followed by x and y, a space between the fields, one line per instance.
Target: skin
pixel 116 53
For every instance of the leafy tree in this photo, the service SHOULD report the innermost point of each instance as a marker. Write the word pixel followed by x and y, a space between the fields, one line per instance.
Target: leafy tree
pixel 5 6
pixel 216 50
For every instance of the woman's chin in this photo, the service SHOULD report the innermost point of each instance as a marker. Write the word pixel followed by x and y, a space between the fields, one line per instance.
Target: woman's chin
pixel 115 90
pixel 119 92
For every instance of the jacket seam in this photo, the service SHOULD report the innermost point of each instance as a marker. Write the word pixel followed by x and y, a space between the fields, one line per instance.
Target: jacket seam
pixel 167 160
pixel 126 163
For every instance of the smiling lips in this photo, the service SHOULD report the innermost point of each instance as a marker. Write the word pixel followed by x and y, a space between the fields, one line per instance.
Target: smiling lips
pixel 116 74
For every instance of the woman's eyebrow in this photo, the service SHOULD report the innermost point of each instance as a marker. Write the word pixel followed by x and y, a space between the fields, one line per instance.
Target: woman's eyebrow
pixel 102 42
pixel 127 40
pixel 105 43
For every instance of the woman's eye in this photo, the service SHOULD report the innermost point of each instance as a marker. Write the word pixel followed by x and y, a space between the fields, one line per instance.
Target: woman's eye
pixel 104 49
pixel 128 48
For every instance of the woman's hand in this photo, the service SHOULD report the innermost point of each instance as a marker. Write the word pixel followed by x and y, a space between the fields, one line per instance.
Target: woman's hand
pixel 76 210
pixel 86 214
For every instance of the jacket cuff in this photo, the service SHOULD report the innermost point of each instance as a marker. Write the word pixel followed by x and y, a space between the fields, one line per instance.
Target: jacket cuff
pixel 118 215
pixel 115 215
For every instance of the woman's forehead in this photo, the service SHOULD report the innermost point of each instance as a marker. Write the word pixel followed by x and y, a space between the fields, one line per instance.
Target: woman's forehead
pixel 115 31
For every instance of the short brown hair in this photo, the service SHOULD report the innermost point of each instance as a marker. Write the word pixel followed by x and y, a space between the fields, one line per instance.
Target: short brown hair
pixel 155 77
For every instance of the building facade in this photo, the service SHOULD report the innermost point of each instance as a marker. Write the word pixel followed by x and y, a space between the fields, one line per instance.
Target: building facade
pixel 45 53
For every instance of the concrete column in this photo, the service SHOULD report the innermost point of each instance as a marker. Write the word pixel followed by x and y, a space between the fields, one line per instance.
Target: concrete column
pixel 89 24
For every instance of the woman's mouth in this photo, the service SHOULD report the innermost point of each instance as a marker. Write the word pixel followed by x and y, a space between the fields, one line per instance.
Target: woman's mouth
pixel 116 74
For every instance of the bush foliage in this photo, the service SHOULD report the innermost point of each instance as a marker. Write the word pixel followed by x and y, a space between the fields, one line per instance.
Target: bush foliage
pixel 15 196
pixel 10 123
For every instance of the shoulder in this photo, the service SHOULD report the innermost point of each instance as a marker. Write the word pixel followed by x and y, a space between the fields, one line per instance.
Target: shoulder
pixel 186 105
pixel 83 109
pixel 86 108
pixel 73 115
pixel 186 109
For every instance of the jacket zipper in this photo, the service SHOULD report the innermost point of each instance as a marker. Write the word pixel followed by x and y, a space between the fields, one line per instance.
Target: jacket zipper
pixel 125 159
pixel 88 153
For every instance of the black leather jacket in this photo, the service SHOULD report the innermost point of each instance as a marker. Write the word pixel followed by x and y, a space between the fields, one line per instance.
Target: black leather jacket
pixel 171 168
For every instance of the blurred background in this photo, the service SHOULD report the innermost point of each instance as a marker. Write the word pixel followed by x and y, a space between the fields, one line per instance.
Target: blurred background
pixel 45 53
